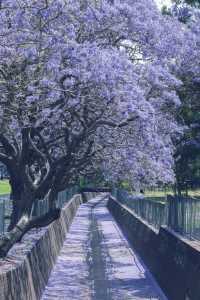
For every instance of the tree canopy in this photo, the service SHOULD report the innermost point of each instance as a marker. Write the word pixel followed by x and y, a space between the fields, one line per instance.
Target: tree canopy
pixel 87 85
pixel 73 71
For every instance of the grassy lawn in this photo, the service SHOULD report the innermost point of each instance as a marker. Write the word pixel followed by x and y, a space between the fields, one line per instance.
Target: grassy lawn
pixel 191 193
pixel 159 196
pixel 4 187
pixel 194 193
pixel 157 193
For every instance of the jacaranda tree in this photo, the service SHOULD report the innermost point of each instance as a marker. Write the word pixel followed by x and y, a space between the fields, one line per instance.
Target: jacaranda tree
pixel 84 85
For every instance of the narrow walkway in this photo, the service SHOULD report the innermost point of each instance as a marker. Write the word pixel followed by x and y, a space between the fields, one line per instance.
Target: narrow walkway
pixel 97 263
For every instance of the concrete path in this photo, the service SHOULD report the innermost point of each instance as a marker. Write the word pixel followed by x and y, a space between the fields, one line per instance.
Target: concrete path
pixel 97 263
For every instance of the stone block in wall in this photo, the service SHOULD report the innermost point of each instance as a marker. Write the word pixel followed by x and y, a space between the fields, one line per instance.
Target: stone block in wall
pixel 180 259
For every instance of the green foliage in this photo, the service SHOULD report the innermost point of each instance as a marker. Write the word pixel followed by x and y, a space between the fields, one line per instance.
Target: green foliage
pixel 190 2
pixel 4 187
pixel 125 185
pixel 165 10
pixel 193 2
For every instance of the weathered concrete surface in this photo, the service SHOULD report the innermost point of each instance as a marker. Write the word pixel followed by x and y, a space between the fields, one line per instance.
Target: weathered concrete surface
pixel 174 261
pixel 24 274
pixel 97 263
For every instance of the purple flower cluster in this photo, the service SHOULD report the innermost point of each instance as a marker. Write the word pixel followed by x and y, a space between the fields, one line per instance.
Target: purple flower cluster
pixel 98 80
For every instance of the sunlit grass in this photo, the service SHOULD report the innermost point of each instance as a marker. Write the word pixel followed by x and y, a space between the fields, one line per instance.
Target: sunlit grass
pixel 194 193
pixel 164 193
pixel 4 187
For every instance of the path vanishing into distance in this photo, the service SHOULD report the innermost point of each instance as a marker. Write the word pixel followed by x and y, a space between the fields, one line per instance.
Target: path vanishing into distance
pixel 97 263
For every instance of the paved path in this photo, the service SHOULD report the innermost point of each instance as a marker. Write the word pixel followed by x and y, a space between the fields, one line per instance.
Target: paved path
pixel 96 262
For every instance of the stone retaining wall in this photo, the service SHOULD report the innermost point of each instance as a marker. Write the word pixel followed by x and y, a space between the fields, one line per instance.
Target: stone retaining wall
pixel 173 260
pixel 25 272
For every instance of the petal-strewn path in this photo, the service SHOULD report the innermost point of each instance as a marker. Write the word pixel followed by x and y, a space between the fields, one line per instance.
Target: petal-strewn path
pixel 96 262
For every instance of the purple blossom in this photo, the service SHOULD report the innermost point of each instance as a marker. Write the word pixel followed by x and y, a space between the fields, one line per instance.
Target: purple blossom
pixel 87 68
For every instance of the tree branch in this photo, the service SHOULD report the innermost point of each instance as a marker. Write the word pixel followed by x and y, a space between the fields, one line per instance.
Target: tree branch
pixel 9 149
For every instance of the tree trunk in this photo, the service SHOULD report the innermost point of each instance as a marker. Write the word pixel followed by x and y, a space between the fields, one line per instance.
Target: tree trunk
pixel 22 220
pixel 16 196
pixel 22 202
pixel 52 197
pixel 16 210
pixel 25 224
pixel 24 194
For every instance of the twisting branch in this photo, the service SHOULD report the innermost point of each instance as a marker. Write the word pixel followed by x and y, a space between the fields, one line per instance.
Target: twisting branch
pixel 44 146
pixel 35 148
pixel 4 158
pixel 113 124
pixel 9 148
pixel 24 144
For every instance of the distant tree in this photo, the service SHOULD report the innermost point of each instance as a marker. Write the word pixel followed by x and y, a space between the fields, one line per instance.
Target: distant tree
pixel 194 3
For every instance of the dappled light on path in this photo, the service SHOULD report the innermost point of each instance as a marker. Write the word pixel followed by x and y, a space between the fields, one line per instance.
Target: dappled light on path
pixel 97 263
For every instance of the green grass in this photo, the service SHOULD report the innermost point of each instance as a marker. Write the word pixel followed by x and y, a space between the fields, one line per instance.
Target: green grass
pixel 191 193
pixel 4 187
pixel 158 193
pixel 159 196
pixel 194 193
